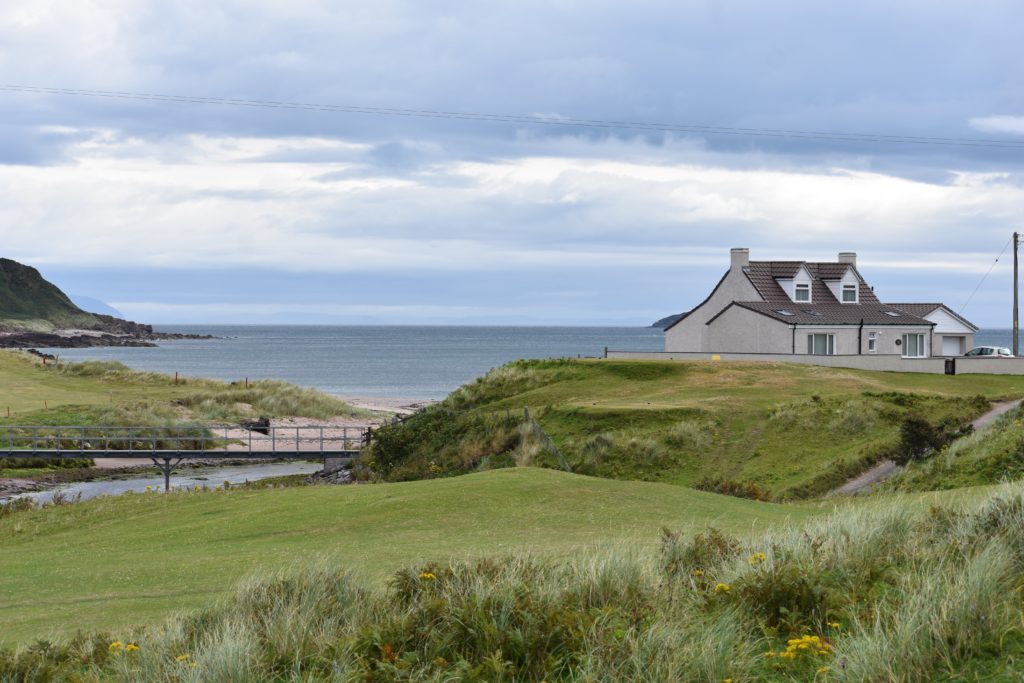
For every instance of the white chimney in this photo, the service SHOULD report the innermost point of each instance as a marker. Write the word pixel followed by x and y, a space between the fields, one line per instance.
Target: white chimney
pixel 739 258
pixel 848 257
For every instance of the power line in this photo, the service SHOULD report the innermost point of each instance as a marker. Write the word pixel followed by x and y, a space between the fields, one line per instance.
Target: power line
pixel 527 119
pixel 985 276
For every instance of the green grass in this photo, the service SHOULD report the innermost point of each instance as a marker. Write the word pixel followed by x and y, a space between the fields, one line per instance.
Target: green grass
pixel 110 562
pixel 885 590
pixel 796 430
pixel 110 393
pixel 989 456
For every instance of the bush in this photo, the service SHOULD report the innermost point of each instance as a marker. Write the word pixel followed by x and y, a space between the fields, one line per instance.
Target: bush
pixel 918 439
pixel 704 553
pixel 739 489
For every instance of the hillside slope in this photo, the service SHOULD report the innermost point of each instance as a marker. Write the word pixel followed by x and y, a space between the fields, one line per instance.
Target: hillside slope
pixel 30 302
pixel 756 429
pixel 114 561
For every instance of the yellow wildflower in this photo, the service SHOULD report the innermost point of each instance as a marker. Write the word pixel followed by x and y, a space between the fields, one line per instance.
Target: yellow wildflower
pixel 757 558
pixel 428 576
pixel 722 588
pixel 115 646
pixel 131 647
pixel 698 572
pixel 769 654
pixel 789 654
pixel 726 680
pixel 824 653
pixel 822 669
pixel 834 624
pixel 182 658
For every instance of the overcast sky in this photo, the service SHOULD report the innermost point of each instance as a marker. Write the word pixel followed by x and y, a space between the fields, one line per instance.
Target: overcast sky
pixel 209 213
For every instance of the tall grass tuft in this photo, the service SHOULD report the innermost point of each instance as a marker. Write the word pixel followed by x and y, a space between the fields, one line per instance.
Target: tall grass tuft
pixel 886 593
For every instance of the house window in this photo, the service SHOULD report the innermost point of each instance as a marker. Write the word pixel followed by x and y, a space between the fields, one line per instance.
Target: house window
pixel 821 344
pixel 872 342
pixel 802 292
pixel 913 346
pixel 849 294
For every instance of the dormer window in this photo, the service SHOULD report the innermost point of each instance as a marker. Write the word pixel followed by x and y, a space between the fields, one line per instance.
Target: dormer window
pixel 849 294
pixel 802 292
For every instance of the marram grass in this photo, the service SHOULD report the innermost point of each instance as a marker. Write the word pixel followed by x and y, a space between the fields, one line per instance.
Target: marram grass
pixel 887 593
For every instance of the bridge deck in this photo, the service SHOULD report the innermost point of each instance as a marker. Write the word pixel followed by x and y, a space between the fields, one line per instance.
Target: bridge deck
pixel 167 446
pixel 204 455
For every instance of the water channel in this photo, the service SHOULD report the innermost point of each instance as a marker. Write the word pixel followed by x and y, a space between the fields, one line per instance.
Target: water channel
pixel 182 478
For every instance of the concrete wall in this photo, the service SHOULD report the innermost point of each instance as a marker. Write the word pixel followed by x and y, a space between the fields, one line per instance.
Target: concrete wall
pixel 740 330
pixel 990 366
pixel 691 333
pixel 891 363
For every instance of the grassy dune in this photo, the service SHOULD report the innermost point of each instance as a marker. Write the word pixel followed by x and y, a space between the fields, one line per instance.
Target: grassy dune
pixel 882 591
pixel 796 430
pixel 110 562
pixel 108 392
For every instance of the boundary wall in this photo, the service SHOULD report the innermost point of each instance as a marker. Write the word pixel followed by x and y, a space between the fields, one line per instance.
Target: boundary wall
pixel 883 362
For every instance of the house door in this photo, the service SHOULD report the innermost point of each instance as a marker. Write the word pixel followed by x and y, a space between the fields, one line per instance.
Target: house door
pixel 952 346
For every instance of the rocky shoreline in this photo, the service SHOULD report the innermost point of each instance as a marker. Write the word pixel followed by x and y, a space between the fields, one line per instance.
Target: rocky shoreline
pixel 78 339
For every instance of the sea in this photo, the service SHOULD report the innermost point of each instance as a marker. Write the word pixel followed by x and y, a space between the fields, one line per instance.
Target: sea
pixel 421 362
pixel 417 363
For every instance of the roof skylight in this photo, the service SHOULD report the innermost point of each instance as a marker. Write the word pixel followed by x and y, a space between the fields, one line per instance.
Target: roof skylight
pixel 783 311
pixel 893 314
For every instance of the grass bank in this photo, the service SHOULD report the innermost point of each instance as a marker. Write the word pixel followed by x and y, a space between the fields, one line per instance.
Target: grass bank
pixel 882 592
pixel 110 562
pixel 96 391
pixel 778 429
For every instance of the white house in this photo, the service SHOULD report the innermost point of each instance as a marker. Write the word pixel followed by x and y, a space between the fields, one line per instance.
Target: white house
pixel 801 307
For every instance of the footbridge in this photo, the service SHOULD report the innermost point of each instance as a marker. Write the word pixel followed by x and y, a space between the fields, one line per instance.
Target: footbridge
pixel 168 446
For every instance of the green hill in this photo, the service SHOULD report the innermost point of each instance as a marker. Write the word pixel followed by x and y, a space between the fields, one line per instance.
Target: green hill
pixel 109 562
pixel 29 302
pixel 756 429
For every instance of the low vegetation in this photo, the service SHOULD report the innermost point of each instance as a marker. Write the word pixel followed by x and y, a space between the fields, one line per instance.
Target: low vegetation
pixel 108 392
pixel 758 429
pixel 882 592
pixel 993 455
pixel 107 563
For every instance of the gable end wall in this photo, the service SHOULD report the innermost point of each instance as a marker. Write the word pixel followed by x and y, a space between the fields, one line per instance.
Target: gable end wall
pixel 691 333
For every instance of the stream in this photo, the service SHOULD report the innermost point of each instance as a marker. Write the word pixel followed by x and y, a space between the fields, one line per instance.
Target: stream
pixel 183 478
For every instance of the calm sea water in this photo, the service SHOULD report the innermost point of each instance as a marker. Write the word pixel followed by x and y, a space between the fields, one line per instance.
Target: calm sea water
pixel 407 362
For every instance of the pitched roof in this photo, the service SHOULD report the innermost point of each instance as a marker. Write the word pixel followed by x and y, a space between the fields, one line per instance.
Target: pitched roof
pixel 763 274
pixel 921 310
pixel 832 313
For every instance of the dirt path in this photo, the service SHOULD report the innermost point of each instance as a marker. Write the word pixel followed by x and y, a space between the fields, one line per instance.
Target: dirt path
pixel 887 468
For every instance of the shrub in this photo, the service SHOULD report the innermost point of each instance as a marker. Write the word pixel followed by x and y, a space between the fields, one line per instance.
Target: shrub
pixel 704 553
pixel 689 435
pixel 918 438
pixel 739 489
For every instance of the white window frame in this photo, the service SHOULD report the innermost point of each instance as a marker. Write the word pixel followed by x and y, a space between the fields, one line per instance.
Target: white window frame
pixel 830 344
pixel 872 342
pixel 921 345
pixel 850 288
pixel 799 287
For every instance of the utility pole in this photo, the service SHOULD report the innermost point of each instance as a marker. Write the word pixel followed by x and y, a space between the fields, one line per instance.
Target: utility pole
pixel 1016 289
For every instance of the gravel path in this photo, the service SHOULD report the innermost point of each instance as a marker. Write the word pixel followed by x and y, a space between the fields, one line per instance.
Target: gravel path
pixel 887 468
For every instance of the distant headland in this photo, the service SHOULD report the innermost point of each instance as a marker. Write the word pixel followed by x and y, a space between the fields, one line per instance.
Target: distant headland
pixel 36 313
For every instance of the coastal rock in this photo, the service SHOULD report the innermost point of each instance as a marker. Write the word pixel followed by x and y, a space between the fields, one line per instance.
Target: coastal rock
pixel 14 487
pixel 341 476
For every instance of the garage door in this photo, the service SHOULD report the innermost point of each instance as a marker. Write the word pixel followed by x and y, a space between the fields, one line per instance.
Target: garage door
pixel 951 346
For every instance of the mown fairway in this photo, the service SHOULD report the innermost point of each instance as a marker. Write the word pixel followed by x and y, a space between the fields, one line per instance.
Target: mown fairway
pixel 115 561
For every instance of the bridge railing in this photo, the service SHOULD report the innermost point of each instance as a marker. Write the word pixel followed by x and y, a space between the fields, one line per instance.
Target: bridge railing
pixel 121 440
